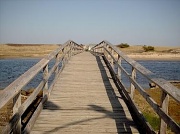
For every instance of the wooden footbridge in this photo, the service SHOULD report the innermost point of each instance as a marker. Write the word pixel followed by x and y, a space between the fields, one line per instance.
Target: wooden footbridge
pixel 87 95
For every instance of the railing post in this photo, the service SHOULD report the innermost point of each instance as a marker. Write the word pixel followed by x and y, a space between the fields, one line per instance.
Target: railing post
pixel 105 53
pixel 132 88
pixel 102 49
pixel 112 60
pixel 119 69
pixel 71 49
pixel 65 57
pixel 45 74
pixel 57 68
pixel 107 47
pixel 16 105
pixel 164 104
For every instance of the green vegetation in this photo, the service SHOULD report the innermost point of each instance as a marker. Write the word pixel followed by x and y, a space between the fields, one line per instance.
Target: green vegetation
pixel 150 114
pixel 153 120
pixel 123 45
pixel 148 48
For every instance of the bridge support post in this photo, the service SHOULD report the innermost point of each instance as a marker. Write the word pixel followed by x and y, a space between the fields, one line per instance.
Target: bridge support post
pixel 16 105
pixel 132 88
pixel 119 69
pixel 112 60
pixel 164 104
pixel 70 49
pixel 45 75
pixel 102 50
pixel 105 53
pixel 107 47
pixel 68 52
pixel 57 68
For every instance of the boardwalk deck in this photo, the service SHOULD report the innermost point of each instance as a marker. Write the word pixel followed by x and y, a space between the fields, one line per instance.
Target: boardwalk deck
pixel 85 100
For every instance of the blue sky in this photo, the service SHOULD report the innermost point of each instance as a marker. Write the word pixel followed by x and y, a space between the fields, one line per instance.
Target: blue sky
pixel 136 22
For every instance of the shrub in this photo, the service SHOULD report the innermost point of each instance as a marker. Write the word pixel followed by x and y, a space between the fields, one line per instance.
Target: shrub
pixel 148 48
pixel 123 45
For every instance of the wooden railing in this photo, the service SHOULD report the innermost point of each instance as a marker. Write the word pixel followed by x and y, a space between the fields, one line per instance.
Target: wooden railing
pixel 109 51
pixel 13 91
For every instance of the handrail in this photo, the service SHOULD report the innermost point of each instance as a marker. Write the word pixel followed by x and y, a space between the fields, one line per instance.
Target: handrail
pixel 108 50
pixel 13 91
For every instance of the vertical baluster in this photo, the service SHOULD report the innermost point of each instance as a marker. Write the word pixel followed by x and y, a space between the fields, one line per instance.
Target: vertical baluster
pixel 16 105
pixel 102 49
pixel 68 53
pixel 164 104
pixel 57 68
pixel 112 60
pixel 71 49
pixel 62 62
pixel 107 52
pixel 132 88
pixel 115 64
pixel 65 52
pixel 119 69
pixel 45 74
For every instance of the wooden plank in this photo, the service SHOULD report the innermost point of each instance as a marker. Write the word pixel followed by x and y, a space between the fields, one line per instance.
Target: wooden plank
pixel 132 87
pixel 167 88
pixel 164 105
pixel 173 91
pixel 84 100
pixel 16 105
pixel 14 88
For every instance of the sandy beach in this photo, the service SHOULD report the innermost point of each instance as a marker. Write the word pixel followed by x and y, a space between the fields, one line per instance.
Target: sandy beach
pixel 155 56
pixel 159 53
pixel 40 50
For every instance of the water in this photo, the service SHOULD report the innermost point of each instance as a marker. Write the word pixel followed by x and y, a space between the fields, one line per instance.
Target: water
pixel 10 69
pixel 168 70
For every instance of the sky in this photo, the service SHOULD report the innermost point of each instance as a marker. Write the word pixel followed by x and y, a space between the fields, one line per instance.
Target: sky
pixel 136 22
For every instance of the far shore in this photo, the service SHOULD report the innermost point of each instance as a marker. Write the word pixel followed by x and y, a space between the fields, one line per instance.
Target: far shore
pixel 27 51
pixel 134 56
pixel 167 53
pixel 155 56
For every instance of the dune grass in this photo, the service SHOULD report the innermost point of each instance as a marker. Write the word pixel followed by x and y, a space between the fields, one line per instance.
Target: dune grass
pixel 27 50
pixel 139 49
pixel 148 112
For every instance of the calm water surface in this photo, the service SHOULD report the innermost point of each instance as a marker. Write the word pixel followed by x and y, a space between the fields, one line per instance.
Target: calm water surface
pixel 168 70
pixel 10 69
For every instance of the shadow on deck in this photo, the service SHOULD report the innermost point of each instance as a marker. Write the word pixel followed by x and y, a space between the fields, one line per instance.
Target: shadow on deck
pixel 123 124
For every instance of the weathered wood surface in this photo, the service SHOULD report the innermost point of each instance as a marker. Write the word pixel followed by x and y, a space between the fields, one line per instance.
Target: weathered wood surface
pixel 163 84
pixel 85 100
pixel 167 88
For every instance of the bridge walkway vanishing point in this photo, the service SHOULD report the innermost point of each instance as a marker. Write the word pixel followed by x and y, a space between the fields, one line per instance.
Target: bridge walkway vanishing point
pixel 85 100
pixel 83 92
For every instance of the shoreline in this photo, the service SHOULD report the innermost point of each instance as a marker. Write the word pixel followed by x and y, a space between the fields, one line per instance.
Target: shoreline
pixel 22 57
pixel 155 56
pixel 134 56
